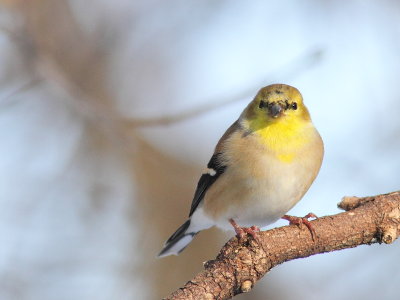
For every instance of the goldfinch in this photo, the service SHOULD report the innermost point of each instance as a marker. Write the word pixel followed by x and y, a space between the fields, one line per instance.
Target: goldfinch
pixel 261 167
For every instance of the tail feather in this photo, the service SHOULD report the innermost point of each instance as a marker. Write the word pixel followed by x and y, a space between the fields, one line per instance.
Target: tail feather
pixel 178 241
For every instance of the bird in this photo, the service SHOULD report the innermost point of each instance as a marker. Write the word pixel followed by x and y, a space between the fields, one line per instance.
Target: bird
pixel 261 167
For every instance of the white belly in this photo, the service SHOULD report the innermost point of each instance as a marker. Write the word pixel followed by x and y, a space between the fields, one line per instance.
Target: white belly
pixel 262 201
pixel 259 193
pixel 258 187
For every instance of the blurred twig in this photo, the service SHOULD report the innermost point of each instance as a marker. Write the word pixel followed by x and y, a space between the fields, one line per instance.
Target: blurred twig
pixel 81 69
pixel 52 42
pixel 63 53
pixel 9 100
pixel 240 264
pixel 292 69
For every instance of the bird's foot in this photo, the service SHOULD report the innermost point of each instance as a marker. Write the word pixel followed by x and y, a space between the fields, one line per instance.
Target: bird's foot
pixel 242 231
pixel 304 220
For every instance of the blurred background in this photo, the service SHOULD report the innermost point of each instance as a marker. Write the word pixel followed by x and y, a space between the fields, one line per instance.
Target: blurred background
pixel 109 111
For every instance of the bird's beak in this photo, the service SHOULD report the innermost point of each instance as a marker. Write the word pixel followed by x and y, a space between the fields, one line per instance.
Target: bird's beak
pixel 275 110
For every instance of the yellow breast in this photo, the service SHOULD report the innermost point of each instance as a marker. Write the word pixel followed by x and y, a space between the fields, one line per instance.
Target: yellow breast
pixel 286 138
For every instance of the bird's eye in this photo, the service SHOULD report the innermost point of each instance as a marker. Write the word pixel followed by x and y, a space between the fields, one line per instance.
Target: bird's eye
pixel 262 104
pixel 293 106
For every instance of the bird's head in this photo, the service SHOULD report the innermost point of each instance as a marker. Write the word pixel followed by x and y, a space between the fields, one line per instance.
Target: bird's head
pixel 276 103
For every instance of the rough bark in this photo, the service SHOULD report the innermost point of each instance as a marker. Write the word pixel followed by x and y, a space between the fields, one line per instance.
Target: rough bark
pixel 241 263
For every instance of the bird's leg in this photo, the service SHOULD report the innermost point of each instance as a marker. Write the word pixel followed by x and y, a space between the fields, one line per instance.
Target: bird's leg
pixel 304 220
pixel 255 228
pixel 241 231
pixel 253 231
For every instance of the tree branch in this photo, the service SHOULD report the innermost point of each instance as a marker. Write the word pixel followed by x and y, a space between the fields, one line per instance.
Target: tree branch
pixel 240 264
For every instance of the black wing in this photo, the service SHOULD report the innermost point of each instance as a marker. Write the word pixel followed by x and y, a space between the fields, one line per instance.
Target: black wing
pixel 206 180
